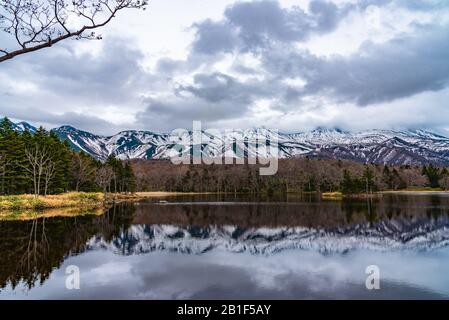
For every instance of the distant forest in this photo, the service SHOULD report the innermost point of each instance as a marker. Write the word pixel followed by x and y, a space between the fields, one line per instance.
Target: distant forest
pixel 294 175
pixel 41 164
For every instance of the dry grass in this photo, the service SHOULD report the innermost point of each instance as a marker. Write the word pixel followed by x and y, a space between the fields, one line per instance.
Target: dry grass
pixel 65 200
pixel 8 215
pixel 332 195
pixel 411 190
pixel 74 200
pixel 27 206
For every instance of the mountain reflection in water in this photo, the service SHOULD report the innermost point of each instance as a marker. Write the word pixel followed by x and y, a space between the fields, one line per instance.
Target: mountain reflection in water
pixel 32 250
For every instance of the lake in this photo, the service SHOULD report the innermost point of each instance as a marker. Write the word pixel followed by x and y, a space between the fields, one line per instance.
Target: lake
pixel 234 247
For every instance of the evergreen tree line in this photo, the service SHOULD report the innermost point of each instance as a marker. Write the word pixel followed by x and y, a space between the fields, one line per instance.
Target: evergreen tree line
pixel 40 163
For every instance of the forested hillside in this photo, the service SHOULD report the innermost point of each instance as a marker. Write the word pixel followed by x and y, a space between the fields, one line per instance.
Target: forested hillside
pixel 40 163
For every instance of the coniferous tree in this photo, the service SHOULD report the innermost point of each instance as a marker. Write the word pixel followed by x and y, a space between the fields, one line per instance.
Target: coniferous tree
pixel 387 177
pixel 129 179
pixel 444 181
pixel 12 178
pixel 62 157
pixel 368 179
pixel 433 175
pixel 347 184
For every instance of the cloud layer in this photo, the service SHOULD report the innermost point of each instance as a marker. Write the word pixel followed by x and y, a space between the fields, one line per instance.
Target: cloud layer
pixel 263 63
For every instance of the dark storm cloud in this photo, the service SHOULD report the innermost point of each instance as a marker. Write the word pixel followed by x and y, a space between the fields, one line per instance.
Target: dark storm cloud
pixel 252 25
pixel 216 87
pixel 376 73
pixel 168 114
pixel 400 68
pixel 212 97
pixel 213 37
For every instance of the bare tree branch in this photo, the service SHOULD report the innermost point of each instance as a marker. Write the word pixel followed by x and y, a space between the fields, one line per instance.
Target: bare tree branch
pixel 38 159
pixel 39 24
pixel 49 172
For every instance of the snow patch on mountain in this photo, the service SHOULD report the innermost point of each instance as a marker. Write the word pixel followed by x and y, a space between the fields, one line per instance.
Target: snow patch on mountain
pixel 396 147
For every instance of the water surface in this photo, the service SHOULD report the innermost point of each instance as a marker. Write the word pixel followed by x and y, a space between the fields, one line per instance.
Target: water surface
pixel 234 247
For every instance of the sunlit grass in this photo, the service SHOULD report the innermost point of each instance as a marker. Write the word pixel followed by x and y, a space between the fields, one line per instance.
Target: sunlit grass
pixel 70 199
pixel 332 195
pixel 29 214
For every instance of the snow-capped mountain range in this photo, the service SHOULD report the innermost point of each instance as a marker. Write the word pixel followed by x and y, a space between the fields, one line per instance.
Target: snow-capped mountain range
pixel 372 146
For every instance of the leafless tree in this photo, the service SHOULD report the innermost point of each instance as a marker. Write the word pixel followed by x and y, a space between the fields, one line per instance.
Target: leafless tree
pixel 104 176
pixel 82 169
pixel 444 182
pixel 49 173
pixel 38 24
pixel 38 158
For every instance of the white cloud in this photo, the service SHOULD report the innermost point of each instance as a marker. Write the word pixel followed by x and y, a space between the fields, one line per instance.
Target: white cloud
pixel 295 70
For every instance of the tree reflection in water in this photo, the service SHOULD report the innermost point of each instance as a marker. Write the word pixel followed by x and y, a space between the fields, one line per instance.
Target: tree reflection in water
pixel 30 250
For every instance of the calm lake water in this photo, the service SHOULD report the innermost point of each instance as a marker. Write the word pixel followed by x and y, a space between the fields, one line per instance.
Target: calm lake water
pixel 236 247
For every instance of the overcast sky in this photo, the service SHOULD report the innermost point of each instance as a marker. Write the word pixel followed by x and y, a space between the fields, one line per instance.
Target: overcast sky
pixel 288 65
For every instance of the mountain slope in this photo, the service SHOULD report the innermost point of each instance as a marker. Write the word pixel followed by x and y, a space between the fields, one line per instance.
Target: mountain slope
pixel 22 126
pixel 412 147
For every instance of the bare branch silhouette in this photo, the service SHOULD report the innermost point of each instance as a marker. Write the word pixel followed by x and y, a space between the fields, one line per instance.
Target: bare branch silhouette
pixel 40 24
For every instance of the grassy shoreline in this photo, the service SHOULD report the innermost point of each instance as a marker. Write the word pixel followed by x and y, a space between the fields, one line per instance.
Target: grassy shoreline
pixel 339 195
pixel 27 206
pixel 97 199
pixel 29 214
pixel 77 199
pixel 80 203
pixel 427 190
pixel 65 200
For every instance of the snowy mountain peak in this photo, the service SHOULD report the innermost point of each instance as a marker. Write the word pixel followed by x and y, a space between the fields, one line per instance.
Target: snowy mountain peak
pixel 395 147
pixel 23 126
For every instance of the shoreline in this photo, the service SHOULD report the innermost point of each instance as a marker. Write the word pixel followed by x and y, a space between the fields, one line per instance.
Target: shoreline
pixel 28 203
pixel 114 198
pixel 64 200
pixel 339 195
pixel 97 199
pixel 415 191
pixel 24 215
pixel 80 203
pixel 80 199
